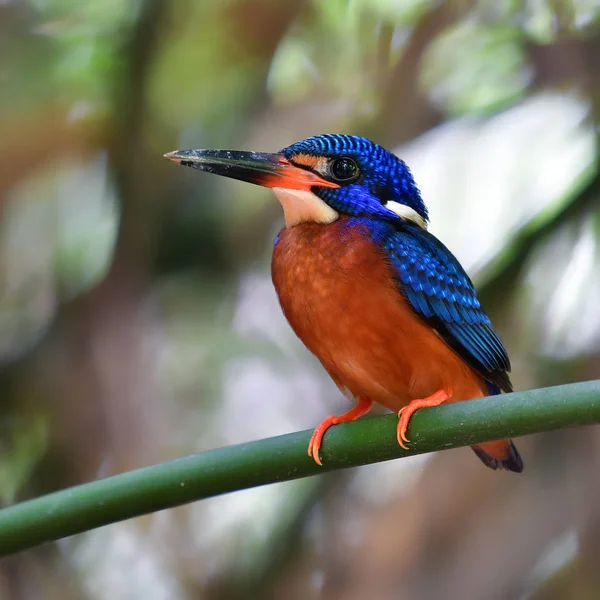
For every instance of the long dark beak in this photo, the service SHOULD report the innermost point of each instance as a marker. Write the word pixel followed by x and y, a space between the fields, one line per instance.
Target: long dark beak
pixel 268 170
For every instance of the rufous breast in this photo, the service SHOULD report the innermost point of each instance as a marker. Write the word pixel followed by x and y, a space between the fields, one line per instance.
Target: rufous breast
pixel 338 292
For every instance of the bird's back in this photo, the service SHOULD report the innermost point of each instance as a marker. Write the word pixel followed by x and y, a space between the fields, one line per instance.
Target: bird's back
pixel 339 292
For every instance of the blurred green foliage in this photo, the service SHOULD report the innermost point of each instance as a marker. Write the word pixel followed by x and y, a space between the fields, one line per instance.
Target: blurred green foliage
pixel 138 321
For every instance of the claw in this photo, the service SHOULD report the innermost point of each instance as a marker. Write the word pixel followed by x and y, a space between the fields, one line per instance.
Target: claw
pixel 314 445
pixel 406 412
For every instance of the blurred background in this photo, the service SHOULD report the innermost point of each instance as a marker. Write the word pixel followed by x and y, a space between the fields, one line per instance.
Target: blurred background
pixel 138 322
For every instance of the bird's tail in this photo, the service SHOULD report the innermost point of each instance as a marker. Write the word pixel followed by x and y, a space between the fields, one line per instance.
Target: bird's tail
pixel 501 454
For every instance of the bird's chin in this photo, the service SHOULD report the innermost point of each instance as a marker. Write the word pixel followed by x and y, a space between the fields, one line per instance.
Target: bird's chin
pixel 302 206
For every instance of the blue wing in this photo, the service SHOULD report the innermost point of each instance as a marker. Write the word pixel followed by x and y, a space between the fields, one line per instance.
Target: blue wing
pixel 440 291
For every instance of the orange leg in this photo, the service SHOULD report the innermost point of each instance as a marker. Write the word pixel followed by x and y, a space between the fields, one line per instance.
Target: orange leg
pixel 407 412
pixel 362 408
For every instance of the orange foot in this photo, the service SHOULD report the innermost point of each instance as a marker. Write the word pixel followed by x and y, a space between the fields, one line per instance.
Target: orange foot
pixel 362 408
pixel 407 412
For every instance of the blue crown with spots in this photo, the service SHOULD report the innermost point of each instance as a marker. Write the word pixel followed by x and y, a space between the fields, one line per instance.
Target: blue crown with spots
pixel 383 176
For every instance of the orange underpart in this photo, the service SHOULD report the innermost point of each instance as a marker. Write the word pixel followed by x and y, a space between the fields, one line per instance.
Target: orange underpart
pixel 406 412
pixel 362 408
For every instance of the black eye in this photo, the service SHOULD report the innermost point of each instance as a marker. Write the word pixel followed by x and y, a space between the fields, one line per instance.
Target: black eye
pixel 344 169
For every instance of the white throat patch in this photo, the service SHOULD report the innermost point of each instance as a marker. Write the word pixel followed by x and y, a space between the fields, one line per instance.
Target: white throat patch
pixel 302 206
pixel 407 213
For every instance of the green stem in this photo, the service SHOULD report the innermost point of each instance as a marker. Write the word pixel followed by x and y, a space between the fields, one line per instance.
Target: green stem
pixel 283 458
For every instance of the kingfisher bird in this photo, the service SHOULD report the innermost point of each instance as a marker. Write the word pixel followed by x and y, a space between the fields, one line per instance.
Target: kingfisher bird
pixel 386 308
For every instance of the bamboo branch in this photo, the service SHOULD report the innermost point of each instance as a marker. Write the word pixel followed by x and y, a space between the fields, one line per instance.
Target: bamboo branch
pixel 284 458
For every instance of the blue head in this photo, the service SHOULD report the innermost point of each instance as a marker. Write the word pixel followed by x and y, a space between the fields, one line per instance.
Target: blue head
pixel 323 177
pixel 372 181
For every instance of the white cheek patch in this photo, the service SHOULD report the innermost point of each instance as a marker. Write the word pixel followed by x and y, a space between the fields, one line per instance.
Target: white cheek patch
pixel 302 206
pixel 407 213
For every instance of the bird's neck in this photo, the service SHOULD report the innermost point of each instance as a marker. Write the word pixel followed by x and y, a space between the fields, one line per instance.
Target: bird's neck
pixel 407 213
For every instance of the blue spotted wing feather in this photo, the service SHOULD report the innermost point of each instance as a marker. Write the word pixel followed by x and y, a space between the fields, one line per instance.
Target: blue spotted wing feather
pixel 440 291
